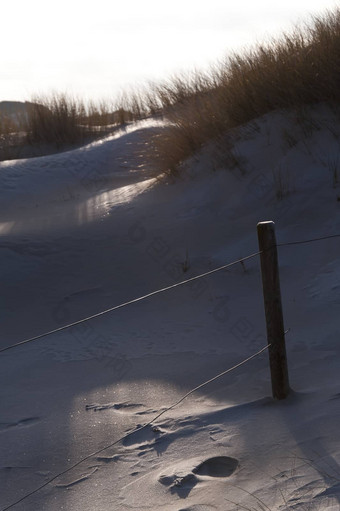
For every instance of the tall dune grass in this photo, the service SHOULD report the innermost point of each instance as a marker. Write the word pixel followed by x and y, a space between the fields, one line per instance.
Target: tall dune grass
pixel 300 68
pixel 57 121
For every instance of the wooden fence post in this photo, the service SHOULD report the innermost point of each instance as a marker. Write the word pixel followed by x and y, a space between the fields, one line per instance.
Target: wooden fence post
pixel 273 309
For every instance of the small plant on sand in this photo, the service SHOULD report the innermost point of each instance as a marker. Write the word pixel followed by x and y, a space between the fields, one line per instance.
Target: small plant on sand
pixel 281 182
pixel 333 164
pixel 186 263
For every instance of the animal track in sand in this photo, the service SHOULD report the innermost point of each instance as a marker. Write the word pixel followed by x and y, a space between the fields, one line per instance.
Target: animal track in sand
pixel 80 479
pixel 199 507
pixel 144 437
pixel 109 459
pixel 121 407
pixel 23 422
pixel 10 468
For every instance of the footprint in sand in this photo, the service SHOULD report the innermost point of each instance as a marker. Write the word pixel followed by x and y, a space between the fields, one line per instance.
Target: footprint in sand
pixel 219 466
pixel 182 484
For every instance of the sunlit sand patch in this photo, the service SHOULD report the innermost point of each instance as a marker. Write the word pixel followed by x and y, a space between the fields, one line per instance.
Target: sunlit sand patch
pixel 104 202
pixel 76 213
pixel 6 227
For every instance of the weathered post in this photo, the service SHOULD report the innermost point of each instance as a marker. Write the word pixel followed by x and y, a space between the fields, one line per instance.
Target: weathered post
pixel 273 309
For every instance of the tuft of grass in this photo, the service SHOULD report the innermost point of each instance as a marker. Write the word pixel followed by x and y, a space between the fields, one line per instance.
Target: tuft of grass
pixel 289 139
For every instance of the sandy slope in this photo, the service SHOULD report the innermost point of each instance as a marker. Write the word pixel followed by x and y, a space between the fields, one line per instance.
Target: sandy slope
pixel 92 228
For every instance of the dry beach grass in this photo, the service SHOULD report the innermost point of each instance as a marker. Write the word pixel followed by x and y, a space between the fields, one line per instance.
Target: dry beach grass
pixel 298 69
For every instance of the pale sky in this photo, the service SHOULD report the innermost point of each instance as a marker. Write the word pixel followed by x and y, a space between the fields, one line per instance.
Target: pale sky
pixel 94 49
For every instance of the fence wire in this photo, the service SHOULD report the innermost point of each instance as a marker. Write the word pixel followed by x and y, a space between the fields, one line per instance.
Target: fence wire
pixel 125 304
pixel 164 289
pixel 130 302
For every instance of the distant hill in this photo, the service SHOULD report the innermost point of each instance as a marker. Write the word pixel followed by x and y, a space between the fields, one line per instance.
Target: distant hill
pixel 16 110
pixel 16 107
pixel 10 108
